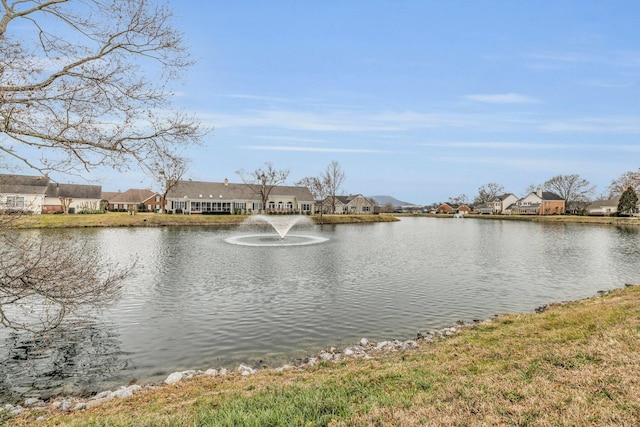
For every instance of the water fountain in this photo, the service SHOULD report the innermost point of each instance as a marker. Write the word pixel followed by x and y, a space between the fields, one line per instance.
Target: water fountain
pixel 281 224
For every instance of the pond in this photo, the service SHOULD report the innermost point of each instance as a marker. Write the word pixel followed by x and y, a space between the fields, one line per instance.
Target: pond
pixel 198 302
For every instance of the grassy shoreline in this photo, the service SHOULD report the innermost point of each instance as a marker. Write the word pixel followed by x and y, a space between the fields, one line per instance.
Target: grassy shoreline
pixel 573 364
pixel 122 219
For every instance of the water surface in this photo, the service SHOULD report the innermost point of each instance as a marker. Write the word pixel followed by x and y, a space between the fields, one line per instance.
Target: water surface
pixel 198 302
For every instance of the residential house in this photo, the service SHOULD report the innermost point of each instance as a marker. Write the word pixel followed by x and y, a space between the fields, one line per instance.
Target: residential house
pixel 353 204
pixel 132 200
pixel 445 208
pixel 72 198
pixel 453 208
pixel 539 203
pixel 499 204
pixel 22 193
pixel 197 197
pixel 603 207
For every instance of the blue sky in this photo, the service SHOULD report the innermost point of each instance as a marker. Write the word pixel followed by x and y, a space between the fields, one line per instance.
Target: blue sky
pixel 421 100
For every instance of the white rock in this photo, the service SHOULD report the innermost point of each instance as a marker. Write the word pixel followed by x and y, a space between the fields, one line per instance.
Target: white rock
pixel 211 372
pixel 101 394
pixel 364 342
pixel 222 372
pixel 34 402
pixel 246 370
pixel 79 406
pixel 326 356
pixel 348 352
pixel 188 374
pixel 173 378
pixel 381 345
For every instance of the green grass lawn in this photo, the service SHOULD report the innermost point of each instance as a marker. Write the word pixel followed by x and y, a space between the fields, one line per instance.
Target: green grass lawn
pixel 123 219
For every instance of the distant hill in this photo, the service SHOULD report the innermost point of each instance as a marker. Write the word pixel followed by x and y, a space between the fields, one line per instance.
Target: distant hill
pixel 386 200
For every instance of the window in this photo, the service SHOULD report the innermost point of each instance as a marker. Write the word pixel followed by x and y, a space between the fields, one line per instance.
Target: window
pixel 306 206
pixel 15 202
pixel 157 198
pixel 365 209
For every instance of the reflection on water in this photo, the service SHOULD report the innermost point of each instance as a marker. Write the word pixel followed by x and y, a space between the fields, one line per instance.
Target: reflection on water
pixel 198 302
pixel 75 359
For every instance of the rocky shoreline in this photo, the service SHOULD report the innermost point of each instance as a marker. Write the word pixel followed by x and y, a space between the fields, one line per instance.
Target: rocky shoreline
pixel 364 350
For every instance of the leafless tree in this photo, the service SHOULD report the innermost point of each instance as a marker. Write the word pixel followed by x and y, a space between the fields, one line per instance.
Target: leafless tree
pixel 46 279
pixel 333 177
pixel 488 192
pixel 262 181
pixel 624 181
pixel 462 199
pixel 318 188
pixel 575 190
pixel 82 84
pixel 167 169
pixel 85 83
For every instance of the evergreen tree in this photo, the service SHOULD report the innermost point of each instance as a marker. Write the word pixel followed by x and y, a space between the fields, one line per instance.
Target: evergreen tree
pixel 628 201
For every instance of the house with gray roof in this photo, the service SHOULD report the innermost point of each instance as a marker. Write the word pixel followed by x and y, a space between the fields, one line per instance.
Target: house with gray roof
pixel 133 199
pixel 72 198
pixel 198 197
pixel 353 204
pixel 539 203
pixel 499 204
pixel 22 193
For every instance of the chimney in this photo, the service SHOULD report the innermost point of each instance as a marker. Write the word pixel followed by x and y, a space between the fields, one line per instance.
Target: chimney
pixel 539 192
pixel 226 182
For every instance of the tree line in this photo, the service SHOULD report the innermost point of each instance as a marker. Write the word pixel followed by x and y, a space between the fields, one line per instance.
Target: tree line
pixel 577 192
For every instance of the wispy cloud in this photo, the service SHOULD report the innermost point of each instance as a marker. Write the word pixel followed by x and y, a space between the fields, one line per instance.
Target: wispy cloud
pixel 350 121
pixel 502 98
pixel 517 146
pixel 623 124
pixel 314 149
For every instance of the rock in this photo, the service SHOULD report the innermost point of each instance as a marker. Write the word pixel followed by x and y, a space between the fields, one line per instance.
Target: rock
pixel 188 374
pixel 222 372
pixel 124 392
pixel 409 344
pixel 101 394
pixel 246 370
pixel 349 352
pixel 211 372
pixel 381 345
pixel 65 405
pixel 365 342
pixel 326 356
pixel 79 406
pixel 34 402
pixel 173 378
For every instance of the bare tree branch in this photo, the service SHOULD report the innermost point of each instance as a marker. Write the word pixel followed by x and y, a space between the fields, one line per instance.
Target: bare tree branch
pixel 261 181
pixel 89 87
pixel 44 279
